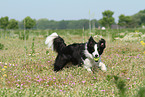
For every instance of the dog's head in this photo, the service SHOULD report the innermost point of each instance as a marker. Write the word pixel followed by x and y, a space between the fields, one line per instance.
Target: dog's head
pixel 96 48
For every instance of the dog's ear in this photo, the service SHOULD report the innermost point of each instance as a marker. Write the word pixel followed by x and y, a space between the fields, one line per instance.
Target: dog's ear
pixel 102 46
pixel 102 43
pixel 91 41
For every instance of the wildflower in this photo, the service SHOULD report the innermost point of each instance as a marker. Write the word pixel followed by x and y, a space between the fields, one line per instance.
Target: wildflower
pixel 17 84
pixel 141 42
pixel 73 83
pixel 103 90
pixel 39 80
pixel 37 76
pixel 4 75
pixel 83 81
pixel 3 69
pixel 5 66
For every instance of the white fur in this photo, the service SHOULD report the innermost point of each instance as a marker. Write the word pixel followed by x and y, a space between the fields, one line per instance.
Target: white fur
pixel 88 55
pixel 89 61
pixel 102 66
pixel 49 40
pixel 96 51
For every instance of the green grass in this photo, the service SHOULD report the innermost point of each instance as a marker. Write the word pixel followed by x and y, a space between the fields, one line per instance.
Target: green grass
pixel 34 75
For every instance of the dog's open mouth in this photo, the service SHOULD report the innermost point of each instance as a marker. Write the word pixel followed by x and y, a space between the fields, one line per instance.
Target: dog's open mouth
pixel 96 59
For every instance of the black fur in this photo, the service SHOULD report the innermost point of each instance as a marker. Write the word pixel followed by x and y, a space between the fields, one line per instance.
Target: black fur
pixel 73 53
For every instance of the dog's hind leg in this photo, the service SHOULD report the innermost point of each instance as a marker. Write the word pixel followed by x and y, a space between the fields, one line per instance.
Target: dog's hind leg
pixel 60 62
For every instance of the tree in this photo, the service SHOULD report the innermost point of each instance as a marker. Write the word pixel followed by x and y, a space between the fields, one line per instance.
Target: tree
pixel 139 18
pixel 29 22
pixel 4 21
pixel 62 24
pixel 107 19
pixel 124 20
pixel 13 24
pixel 42 23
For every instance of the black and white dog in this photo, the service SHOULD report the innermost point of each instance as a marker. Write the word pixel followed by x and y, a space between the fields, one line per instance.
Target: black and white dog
pixel 77 53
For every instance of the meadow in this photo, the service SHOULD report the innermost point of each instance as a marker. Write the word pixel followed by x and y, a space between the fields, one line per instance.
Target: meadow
pixel 26 67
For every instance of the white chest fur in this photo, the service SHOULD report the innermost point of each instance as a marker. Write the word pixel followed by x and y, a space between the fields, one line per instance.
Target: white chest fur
pixel 88 63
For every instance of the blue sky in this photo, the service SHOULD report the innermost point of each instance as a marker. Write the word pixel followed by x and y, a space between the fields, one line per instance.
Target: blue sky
pixel 67 9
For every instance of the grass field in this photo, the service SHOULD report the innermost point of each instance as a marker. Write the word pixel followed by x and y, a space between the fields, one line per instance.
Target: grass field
pixel 27 71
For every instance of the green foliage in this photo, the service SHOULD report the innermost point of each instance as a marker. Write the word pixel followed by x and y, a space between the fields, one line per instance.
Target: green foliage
pixel 65 24
pixel 13 24
pixel 32 47
pixel 141 92
pixel 1 46
pixel 47 52
pixel 23 35
pixel 125 20
pixel 4 21
pixel 34 75
pixel 139 18
pixel 107 19
pixel 109 77
pixel 120 83
pixel 29 22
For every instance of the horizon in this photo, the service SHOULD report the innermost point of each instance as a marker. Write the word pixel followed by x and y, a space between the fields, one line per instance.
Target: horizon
pixel 68 10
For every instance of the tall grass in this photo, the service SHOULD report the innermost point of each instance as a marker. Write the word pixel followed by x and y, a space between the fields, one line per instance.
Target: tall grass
pixel 35 76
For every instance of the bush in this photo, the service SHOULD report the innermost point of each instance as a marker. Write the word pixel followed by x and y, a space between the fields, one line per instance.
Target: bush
pixel 141 92
pixel 1 46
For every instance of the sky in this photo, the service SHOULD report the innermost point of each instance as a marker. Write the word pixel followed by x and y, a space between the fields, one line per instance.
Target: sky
pixel 68 9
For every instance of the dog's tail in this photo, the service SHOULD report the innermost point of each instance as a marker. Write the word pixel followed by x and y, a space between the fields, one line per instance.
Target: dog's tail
pixel 55 42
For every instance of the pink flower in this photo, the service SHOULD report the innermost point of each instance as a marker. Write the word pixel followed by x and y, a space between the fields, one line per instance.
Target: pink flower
pixel 39 80
pixel 37 76
pixel 17 84
pixel 103 90
pixel 73 83
pixel 60 90
pixel 83 81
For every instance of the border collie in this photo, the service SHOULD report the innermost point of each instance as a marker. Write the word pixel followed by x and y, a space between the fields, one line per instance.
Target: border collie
pixel 86 54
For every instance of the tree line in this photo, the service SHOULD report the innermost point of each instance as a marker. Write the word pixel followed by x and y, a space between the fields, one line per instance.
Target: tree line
pixel 107 20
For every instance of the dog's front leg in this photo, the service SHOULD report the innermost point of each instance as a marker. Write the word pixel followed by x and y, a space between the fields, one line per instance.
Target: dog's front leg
pixel 102 66
pixel 87 65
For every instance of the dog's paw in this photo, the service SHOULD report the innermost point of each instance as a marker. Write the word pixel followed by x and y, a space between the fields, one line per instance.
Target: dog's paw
pixel 102 66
